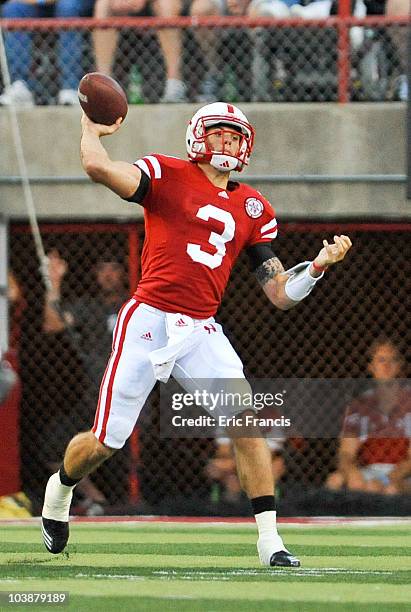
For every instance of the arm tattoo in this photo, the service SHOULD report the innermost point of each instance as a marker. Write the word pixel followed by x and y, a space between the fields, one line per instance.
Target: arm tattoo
pixel 268 270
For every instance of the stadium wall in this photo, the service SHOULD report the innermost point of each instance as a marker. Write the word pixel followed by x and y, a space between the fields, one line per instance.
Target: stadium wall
pixel 292 139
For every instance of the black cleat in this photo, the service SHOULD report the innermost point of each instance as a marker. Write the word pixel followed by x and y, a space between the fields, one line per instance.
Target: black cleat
pixel 55 534
pixel 284 559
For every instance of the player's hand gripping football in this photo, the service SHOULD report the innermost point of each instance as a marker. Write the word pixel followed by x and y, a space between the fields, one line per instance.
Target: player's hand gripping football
pixel 98 128
pixel 334 252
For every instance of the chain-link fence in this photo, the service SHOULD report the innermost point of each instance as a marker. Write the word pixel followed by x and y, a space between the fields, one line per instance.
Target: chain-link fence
pixel 235 59
pixel 328 336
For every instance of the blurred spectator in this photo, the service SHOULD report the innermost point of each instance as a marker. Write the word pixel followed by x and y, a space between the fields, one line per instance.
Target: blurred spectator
pixel 8 378
pixel 90 319
pixel 9 359
pixel 400 8
pixel 105 41
pixel 397 55
pixel 376 60
pixel 300 60
pixel 219 48
pixel 243 51
pixel 375 451
pixel 17 304
pixel 315 9
pixel 88 322
pixel 221 469
pixel 398 35
pixel 19 49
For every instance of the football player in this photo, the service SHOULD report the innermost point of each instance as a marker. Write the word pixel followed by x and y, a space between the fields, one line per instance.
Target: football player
pixel 197 223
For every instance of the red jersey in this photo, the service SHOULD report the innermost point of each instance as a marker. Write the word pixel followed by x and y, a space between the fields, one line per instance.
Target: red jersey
pixel 194 233
pixel 385 436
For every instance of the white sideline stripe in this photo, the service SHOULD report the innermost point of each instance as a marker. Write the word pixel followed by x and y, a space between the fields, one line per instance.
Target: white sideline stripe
pixel 104 390
pixel 268 226
pixel 235 522
pixel 143 166
pixel 273 235
pixel 156 165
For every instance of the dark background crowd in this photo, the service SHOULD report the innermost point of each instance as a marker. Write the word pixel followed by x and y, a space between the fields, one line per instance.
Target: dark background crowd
pixel 65 337
pixel 203 64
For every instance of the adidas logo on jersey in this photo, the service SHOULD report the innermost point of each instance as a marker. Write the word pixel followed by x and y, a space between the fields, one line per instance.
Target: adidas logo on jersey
pixel 146 336
pixel 223 194
pixel 181 323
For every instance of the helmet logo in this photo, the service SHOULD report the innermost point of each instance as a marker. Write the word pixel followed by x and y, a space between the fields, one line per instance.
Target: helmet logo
pixel 254 208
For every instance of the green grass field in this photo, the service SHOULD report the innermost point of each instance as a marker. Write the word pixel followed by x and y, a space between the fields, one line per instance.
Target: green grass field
pixel 207 567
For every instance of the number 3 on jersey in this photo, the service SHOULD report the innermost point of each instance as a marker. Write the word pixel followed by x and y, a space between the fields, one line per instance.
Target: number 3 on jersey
pixel 217 240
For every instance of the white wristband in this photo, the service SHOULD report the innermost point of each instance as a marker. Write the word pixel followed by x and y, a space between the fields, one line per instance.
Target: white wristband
pixel 300 283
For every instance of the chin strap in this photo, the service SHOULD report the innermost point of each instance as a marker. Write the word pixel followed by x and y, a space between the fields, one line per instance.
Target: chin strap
pixel 224 163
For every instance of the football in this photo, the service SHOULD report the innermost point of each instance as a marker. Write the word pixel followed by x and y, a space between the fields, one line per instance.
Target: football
pixel 102 98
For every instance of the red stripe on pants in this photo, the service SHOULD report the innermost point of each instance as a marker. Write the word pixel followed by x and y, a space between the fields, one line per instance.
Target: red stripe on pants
pixel 114 370
pixel 94 428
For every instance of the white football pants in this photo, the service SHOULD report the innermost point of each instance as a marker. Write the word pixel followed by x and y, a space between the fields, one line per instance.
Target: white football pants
pixel 129 376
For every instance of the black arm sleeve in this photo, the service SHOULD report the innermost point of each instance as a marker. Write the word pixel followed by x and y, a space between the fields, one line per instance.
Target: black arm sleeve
pixel 258 254
pixel 141 191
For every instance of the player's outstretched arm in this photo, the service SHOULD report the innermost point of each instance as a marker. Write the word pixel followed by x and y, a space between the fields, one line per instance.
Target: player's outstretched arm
pixel 285 289
pixel 121 177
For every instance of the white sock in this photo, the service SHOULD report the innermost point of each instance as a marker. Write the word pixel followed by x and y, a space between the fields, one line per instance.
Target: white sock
pixel 269 541
pixel 266 523
pixel 57 499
